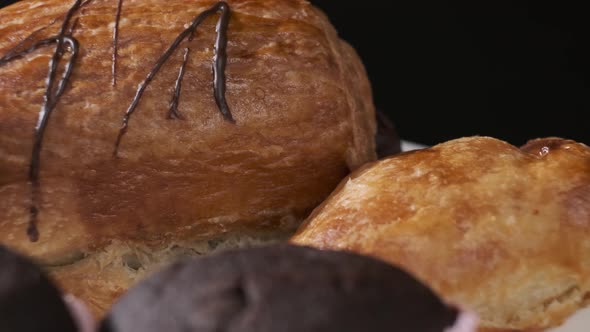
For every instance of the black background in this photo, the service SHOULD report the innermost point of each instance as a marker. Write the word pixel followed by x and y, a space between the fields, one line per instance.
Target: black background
pixel 445 69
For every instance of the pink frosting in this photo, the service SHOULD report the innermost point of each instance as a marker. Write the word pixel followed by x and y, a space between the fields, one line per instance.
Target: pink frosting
pixel 466 322
pixel 82 316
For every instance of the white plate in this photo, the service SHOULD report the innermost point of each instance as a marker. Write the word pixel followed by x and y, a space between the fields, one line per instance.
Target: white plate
pixel 580 322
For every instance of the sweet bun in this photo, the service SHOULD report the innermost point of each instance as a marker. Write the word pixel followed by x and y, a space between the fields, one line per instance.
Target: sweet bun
pixel 121 156
pixel 501 230
pixel 280 288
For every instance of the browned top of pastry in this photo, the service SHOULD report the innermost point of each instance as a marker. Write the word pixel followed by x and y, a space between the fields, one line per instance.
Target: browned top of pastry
pixel 503 230
pixel 298 94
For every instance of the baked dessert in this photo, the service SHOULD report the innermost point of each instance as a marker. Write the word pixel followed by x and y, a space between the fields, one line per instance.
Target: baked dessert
pixel 280 288
pixel 29 302
pixel 501 230
pixel 133 132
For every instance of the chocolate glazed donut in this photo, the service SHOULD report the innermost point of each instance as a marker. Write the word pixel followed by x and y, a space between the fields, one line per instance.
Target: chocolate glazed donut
pixel 28 300
pixel 280 288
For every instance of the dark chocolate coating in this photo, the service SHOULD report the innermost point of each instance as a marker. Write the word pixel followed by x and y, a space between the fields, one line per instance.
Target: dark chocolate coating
pixel 280 288
pixel 28 300
pixel 387 138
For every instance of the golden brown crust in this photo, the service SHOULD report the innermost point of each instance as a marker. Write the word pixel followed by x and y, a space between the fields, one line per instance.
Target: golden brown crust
pixel 299 95
pixel 502 230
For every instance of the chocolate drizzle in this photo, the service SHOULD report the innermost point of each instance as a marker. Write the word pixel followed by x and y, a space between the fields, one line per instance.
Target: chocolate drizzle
pixel 55 86
pixel 219 62
pixel 13 52
pixel 73 27
pixel 50 100
pixel 53 91
pixel 116 42
pixel 173 112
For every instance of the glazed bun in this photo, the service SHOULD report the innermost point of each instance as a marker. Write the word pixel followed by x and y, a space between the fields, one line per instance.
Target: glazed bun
pixel 280 288
pixel 502 230
pixel 203 125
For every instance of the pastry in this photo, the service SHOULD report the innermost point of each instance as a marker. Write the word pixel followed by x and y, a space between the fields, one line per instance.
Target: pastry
pixel 280 288
pixel 133 132
pixel 501 230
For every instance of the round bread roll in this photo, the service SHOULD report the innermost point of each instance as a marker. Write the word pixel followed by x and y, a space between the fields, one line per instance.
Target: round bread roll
pixel 135 131
pixel 501 230
pixel 28 300
pixel 280 288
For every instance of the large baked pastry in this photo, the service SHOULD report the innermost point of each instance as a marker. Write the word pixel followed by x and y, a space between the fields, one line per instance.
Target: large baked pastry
pixel 281 288
pixel 502 230
pixel 135 131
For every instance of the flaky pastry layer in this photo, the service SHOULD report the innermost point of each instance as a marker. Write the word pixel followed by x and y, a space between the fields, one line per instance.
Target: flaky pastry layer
pixel 498 229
